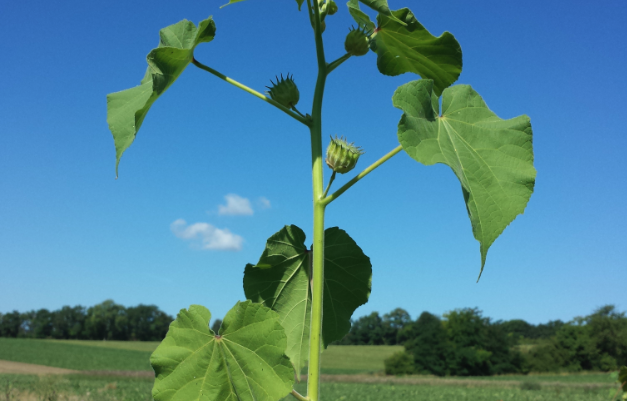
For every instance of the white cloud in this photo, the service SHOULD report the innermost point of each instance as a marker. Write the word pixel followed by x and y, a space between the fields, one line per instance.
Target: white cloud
pixel 265 203
pixel 207 236
pixel 235 206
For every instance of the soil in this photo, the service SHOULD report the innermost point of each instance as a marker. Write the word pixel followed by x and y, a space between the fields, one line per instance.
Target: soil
pixel 8 367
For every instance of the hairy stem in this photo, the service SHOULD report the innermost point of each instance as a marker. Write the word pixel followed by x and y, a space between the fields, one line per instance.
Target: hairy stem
pixel 333 65
pixel 315 340
pixel 361 175
pixel 253 92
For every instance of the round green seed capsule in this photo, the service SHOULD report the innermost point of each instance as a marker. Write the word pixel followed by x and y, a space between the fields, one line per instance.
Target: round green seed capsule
pixel 284 91
pixel 342 156
pixel 356 42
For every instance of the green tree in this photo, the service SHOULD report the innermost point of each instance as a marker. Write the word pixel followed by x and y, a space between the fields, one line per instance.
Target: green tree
pixel 367 330
pixel 393 323
pixel 69 323
pixel 608 329
pixel 11 324
pixel 106 321
pixel 429 345
pixel 147 323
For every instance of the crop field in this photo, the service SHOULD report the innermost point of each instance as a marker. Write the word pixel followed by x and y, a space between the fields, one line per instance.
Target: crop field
pixel 350 373
pixel 68 355
pixel 74 387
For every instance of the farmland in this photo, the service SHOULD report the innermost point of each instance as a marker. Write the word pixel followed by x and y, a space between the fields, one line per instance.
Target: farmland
pixel 360 379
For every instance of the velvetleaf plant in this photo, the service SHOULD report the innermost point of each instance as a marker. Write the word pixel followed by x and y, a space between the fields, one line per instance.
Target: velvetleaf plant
pixel 299 298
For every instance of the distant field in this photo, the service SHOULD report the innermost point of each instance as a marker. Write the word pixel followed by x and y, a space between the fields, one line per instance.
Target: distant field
pixel 387 392
pixel 146 346
pixel 350 359
pixel 27 388
pixel 62 354
pixel 135 355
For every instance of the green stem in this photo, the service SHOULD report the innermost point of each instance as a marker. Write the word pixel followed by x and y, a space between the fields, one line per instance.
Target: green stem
pixel 337 63
pixel 361 175
pixel 315 340
pixel 253 92
pixel 326 191
pixel 298 396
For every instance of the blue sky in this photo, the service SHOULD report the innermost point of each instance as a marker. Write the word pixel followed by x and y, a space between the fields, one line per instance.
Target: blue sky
pixel 214 163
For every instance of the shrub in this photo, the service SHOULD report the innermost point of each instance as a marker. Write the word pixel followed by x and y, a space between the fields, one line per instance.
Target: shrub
pixel 400 363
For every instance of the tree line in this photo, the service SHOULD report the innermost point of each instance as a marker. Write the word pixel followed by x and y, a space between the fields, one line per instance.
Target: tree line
pixel 465 343
pixel 105 321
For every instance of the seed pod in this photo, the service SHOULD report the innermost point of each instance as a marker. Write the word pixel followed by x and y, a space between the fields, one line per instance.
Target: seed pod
pixel 284 91
pixel 342 156
pixel 356 42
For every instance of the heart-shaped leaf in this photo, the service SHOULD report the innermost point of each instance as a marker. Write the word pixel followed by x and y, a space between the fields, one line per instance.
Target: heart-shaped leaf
pixel 281 280
pixel 127 109
pixel 491 157
pixel 245 362
pixel 410 47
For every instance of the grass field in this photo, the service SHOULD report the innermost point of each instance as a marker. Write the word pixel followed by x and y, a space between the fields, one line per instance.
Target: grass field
pixel 135 355
pixel 351 360
pixel 18 388
pixel 68 355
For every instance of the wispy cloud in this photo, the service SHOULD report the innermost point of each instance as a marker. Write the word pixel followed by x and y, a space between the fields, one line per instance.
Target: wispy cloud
pixel 265 203
pixel 206 236
pixel 235 206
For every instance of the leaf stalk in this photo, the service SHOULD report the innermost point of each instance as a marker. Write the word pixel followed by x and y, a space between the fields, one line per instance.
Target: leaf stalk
pixel 365 172
pixel 299 397
pixel 253 92
pixel 333 65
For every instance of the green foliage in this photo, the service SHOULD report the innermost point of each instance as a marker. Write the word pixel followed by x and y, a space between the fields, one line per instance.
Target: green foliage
pixel 359 16
pixel 281 280
pixel 401 363
pixel 428 343
pixel 622 378
pixel 245 361
pixel 409 47
pixel 301 306
pixel 105 321
pixel 491 157
pixel 127 109
pixel 594 342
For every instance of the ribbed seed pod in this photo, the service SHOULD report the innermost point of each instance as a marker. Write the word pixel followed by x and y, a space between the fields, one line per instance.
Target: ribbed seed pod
pixel 284 91
pixel 356 42
pixel 342 156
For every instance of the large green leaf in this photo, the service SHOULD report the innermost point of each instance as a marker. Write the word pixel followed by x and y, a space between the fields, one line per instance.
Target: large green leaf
pixel 411 48
pixel 359 16
pixel 491 157
pixel 127 109
pixel 381 6
pixel 245 362
pixel 281 280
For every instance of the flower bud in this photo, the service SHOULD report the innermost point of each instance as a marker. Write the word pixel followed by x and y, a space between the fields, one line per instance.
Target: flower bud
pixel 331 7
pixel 284 91
pixel 342 156
pixel 356 42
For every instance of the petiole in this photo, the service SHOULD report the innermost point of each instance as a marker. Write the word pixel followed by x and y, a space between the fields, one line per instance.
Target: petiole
pixel 333 65
pixel 328 199
pixel 296 116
